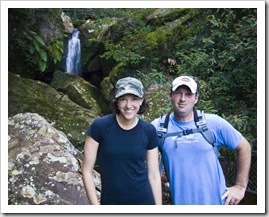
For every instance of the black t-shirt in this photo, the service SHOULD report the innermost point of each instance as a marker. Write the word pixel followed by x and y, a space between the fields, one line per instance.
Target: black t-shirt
pixel 122 160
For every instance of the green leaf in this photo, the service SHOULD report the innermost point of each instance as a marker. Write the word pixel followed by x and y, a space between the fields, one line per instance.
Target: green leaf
pixel 39 40
pixel 36 46
pixel 42 66
pixel 43 55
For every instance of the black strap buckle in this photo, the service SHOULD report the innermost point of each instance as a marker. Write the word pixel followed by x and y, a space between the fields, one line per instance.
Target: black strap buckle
pixel 187 132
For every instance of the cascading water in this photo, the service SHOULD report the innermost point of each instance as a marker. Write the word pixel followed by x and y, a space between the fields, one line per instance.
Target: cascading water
pixel 73 53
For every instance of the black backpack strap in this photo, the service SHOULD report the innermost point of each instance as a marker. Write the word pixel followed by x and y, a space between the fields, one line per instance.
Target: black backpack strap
pixel 163 123
pixel 183 133
pixel 201 123
pixel 162 129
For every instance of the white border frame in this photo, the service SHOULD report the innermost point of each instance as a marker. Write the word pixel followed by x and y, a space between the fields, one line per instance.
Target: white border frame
pixel 259 208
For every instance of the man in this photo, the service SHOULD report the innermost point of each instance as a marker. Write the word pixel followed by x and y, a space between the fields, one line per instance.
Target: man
pixel 193 169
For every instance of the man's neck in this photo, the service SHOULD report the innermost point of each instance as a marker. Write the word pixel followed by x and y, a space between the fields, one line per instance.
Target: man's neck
pixel 184 118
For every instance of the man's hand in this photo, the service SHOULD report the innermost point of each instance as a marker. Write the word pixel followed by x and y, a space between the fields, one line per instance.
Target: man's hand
pixel 234 195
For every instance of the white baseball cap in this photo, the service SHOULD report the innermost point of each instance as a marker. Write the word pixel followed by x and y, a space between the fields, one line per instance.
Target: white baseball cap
pixel 184 80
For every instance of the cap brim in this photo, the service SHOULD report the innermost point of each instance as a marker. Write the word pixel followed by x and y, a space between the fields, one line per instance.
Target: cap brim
pixel 191 88
pixel 124 92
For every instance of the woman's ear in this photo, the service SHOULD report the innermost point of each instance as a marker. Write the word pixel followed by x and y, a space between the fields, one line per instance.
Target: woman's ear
pixel 141 101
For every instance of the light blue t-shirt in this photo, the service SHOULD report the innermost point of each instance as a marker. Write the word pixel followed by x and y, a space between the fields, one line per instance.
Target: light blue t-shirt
pixel 195 174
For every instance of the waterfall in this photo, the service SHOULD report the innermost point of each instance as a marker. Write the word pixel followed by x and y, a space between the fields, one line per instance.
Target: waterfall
pixel 73 53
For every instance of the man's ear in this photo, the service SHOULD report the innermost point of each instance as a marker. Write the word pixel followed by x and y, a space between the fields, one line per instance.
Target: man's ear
pixel 196 99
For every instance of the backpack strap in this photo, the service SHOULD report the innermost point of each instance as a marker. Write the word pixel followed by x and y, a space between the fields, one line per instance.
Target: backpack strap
pixel 183 133
pixel 162 129
pixel 200 121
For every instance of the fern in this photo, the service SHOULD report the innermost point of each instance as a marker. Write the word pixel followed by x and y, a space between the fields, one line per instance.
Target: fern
pixel 37 50
pixel 56 49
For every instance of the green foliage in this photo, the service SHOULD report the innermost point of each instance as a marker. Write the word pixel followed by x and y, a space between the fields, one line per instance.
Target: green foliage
pixel 159 97
pixel 162 104
pixel 94 13
pixel 27 45
pixel 241 122
pixel 156 37
pixel 35 53
pixel 56 49
pixel 207 105
pixel 122 55
pixel 217 46
pixel 152 78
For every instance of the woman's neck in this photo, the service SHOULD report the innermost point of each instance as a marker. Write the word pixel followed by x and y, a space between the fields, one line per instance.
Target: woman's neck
pixel 125 123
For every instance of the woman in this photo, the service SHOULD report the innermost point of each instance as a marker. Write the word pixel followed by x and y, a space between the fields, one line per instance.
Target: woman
pixel 126 150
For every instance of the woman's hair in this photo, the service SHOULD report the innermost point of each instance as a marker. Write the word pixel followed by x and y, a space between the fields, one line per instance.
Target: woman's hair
pixel 143 108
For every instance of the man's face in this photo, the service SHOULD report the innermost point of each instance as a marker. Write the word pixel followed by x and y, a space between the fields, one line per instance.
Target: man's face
pixel 183 101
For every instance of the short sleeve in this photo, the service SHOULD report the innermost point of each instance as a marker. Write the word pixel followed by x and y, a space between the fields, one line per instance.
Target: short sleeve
pixel 153 137
pixel 225 133
pixel 99 127
pixel 94 130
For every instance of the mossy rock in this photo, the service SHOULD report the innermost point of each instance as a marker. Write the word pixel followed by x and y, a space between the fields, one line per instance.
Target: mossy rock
pixel 26 95
pixel 80 91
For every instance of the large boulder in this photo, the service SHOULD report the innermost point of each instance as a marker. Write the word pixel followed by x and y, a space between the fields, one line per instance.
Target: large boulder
pixel 26 95
pixel 80 91
pixel 43 166
pixel 68 25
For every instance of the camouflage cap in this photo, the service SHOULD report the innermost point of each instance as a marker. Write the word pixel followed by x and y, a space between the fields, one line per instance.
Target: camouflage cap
pixel 129 85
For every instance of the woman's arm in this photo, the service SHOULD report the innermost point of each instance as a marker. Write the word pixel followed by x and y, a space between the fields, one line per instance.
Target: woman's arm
pixel 90 153
pixel 154 175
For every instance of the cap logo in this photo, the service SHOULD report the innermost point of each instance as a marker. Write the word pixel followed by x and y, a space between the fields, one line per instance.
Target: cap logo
pixel 185 79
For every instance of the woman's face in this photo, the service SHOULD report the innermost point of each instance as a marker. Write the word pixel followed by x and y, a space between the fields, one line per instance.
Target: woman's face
pixel 129 105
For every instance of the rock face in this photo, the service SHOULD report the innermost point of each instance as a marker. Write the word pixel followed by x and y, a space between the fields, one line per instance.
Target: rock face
pixel 44 167
pixel 26 95
pixel 80 91
pixel 68 25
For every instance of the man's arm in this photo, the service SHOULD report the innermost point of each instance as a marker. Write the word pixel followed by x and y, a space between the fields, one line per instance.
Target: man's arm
pixel 236 193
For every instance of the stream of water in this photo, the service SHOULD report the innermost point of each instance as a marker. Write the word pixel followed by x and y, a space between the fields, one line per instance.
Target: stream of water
pixel 73 53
